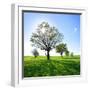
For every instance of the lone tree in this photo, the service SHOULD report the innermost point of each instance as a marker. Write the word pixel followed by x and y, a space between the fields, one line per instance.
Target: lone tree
pixel 46 37
pixel 61 48
pixel 35 53
pixel 72 54
pixel 67 53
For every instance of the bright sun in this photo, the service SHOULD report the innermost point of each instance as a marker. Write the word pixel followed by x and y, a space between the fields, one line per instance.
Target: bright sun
pixel 43 30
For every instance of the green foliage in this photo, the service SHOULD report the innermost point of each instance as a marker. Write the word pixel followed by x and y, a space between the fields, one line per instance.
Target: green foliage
pixel 61 48
pixel 35 53
pixel 67 53
pixel 36 67
pixel 72 54
pixel 46 37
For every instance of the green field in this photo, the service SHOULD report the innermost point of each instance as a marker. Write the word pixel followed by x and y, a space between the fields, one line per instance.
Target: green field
pixel 57 66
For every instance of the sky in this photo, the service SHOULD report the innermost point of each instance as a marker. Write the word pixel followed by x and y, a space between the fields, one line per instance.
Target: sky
pixel 68 24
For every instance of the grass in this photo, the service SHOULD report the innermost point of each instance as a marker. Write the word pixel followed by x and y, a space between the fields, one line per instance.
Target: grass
pixel 57 66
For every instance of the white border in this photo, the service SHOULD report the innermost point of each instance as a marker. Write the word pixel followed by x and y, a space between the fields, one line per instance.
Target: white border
pixel 16 54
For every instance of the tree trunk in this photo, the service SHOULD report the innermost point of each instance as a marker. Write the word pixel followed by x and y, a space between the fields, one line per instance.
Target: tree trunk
pixel 61 54
pixel 48 56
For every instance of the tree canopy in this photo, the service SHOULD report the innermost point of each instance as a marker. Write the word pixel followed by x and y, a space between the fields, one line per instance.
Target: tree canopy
pixel 67 53
pixel 72 54
pixel 46 37
pixel 61 48
pixel 35 53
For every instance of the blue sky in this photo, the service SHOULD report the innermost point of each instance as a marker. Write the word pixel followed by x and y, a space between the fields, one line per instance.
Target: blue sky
pixel 68 24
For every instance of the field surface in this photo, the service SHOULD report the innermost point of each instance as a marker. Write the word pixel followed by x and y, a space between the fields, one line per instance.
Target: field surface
pixel 57 66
